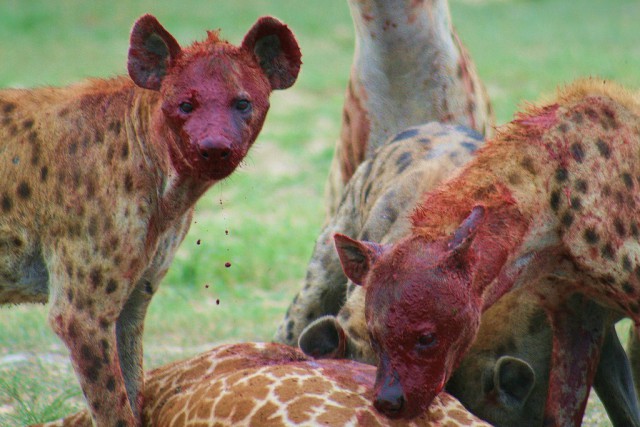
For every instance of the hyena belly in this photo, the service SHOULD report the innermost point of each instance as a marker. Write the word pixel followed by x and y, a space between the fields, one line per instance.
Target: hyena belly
pixel 376 206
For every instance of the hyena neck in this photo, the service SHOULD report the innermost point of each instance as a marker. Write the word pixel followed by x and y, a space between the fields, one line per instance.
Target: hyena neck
pixel 494 257
pixel 400 44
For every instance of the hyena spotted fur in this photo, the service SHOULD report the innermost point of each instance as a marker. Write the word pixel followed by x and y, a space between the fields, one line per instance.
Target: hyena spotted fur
pixel 98 183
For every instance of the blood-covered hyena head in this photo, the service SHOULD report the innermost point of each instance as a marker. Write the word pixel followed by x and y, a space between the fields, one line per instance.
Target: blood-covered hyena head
pixel 215 96
pixel 420 313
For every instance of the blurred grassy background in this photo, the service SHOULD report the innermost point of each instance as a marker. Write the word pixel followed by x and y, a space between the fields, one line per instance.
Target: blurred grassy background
pixel 272 207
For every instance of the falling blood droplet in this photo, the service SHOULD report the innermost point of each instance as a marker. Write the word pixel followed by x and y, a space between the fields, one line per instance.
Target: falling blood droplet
pixel 198 242
pixel 206 286
pixel 226 232
pixel 217 302
pixel 227 264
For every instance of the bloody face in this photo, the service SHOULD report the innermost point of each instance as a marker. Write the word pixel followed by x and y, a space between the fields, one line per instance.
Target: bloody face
pixel 215 104
pixel 421 321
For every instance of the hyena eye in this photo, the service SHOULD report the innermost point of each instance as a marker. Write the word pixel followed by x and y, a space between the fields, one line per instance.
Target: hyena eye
pixel 426 341
pixel 243 105
pixel 186 107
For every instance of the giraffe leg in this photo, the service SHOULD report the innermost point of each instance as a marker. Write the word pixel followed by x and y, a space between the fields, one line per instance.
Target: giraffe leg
pixel 578 333
pixel 614 383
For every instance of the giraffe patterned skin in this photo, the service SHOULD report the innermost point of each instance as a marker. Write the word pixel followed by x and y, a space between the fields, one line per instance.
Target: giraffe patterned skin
pixel 409 67
pixel 548 205
pixel 260 384
pixel 98 183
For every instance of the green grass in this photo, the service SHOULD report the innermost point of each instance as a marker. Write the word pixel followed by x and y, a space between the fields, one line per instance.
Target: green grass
pixel 272 207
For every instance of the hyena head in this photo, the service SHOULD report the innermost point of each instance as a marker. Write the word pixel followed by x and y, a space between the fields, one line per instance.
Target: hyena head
pixel 214 96
pixel 420 314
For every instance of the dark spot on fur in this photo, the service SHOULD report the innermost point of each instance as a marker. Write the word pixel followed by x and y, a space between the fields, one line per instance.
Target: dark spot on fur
pixel 562 174
pixel 33 137
pixel 608 280
pixel 409 133
pixel 471 147
pixel 567 219
pixel 403 161
pixel 124 153
pixel 290 336
pixel 70 295
pixel 391 214
pixel 628 181
pixel 634 230
pixel 115 127
pixel 72 329
pixel 290 325
pixel 626 263
pixel 8 107
pixel 576 204
pixel 607 251
pixel 110 153
pixel 104 324
pixel 73 148
pixel 619 226
pixel 128 183
pixel 24 191
pixel 555 200
pixel 591 236
pixel 577 152
pixel 311 315
pixel 582 186
pixel 528 165
pixel 96 277
pixel 7 203
pixel 626 286
pixel 514 179
pixel 111 383
pixel 563 127
pixel 112 286
pixel 148 288
pixel 603 148
pixel 44 173
pixel 27 124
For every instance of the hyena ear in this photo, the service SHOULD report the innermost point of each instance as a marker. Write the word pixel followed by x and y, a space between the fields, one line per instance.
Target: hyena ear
pixel 324 338
pixel 466 232
pixel 356 257
pixel 151 50
pixel 276 49
pixel 514 380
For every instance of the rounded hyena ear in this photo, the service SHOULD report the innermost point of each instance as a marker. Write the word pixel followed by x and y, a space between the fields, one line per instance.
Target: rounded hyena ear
pixel 356 257
pixel 324 338
pixel 276 49
pixel 514 380
pixel 151 50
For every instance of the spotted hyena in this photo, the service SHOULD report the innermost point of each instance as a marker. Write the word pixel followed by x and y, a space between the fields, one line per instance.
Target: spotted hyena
pixel 99 180
pixel 548 205
pixel 409 67
pixel 503 377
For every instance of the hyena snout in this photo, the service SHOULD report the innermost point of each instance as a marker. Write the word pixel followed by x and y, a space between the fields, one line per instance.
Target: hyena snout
pixel 215 149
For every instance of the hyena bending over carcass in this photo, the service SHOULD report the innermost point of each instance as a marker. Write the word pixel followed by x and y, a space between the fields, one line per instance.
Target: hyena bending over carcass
pixel 503 377
pixel 550 205
pixel 98 182
pixel 409 68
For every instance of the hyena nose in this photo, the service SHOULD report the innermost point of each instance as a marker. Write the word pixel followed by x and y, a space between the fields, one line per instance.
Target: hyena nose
pixel 389 402
pixel 215 149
